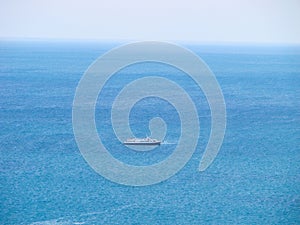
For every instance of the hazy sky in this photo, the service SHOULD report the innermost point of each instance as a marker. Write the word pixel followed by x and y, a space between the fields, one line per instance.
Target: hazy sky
pixel 274 21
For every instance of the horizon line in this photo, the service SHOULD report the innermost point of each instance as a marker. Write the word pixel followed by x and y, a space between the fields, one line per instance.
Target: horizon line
pixel 120 40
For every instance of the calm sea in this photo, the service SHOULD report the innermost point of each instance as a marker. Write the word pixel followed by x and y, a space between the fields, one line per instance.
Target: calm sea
pixel 255 178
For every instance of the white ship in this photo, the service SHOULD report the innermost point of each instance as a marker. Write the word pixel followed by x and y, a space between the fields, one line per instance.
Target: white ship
pixel 141 141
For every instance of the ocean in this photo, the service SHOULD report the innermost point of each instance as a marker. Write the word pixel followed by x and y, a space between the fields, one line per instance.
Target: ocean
pixel 44 179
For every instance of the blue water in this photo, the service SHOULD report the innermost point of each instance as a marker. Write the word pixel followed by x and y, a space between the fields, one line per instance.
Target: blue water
pixel 255 178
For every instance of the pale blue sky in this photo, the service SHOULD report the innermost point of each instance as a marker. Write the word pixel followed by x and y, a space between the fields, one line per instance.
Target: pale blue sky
pixel 271 21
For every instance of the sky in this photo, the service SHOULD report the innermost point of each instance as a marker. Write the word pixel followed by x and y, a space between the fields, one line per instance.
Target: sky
pixel 250 21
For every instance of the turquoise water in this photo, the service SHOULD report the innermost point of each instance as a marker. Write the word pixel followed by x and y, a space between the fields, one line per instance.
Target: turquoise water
pixel 255 178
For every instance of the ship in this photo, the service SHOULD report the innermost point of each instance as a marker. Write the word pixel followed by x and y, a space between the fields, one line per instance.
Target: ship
pixel 141 141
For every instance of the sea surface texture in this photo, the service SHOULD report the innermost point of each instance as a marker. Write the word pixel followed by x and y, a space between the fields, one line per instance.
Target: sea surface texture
pixel 44 179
